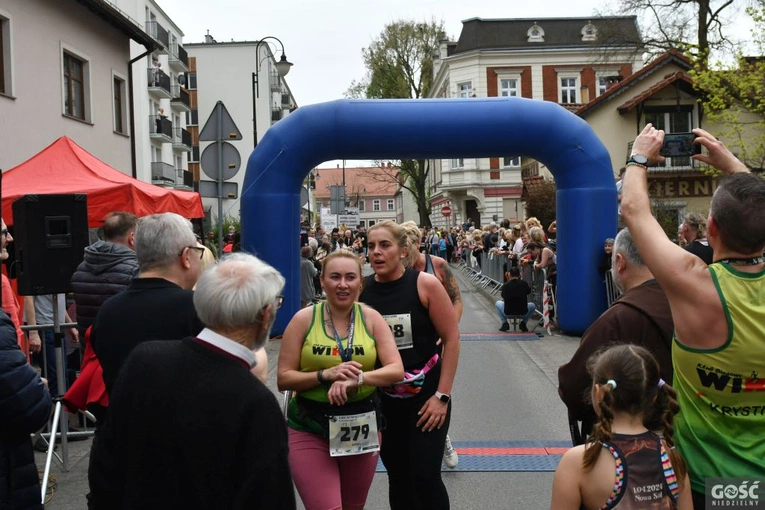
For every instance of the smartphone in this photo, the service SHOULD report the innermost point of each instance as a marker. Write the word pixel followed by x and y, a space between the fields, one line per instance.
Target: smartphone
pixel 679 145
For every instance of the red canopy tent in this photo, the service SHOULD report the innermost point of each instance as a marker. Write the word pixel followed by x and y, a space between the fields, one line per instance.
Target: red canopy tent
pixel 65 167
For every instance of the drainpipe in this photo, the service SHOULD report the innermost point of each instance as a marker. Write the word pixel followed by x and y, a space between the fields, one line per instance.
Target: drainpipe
pixel 132 108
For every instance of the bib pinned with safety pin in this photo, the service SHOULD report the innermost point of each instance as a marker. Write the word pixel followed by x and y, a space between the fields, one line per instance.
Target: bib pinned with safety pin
pixel 353 434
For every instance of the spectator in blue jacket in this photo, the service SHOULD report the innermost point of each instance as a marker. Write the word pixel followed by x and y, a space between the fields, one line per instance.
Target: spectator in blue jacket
pixel 24 408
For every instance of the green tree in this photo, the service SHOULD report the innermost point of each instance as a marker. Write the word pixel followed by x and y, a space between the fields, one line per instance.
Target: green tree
pixel 733 97
pixel 399 65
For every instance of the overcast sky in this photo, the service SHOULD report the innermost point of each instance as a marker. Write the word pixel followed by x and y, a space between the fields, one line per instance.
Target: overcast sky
pixel 324 38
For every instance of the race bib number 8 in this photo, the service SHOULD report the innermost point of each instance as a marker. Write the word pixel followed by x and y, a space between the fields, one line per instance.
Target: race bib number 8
pixel 353 434
pixel 401 327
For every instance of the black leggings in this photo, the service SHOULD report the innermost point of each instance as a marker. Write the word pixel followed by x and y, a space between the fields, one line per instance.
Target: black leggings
pixel 413 457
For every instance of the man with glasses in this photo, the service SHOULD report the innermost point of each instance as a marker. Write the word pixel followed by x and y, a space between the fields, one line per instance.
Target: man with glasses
pixel 9 303
pixel 158 304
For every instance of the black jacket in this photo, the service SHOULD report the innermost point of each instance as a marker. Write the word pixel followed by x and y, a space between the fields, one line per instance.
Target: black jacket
pixel 106 270
pixel 24 408
pixel 514 293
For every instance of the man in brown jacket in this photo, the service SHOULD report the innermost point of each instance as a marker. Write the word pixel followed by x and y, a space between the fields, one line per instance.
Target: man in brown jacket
pixel 640 316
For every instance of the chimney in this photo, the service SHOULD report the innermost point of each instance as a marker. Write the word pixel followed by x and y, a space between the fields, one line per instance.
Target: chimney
pixel 209 39
pixel 585 93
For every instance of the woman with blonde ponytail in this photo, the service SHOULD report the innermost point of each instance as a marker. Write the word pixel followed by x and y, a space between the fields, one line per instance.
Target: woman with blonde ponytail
pixel 629 462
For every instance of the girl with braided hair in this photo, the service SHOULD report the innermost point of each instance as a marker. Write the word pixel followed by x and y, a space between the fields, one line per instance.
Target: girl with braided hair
pixel 625 464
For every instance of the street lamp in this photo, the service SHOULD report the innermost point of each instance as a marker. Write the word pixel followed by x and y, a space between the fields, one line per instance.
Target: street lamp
pixel 282 68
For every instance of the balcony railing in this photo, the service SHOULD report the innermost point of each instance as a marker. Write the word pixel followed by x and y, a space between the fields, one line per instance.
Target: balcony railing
pixel 181 139
pixel 185 179
pixel 159 82
pixel 178 57
pixel 160 127
pixel 180 98
pixel 162 172
pixel 158 33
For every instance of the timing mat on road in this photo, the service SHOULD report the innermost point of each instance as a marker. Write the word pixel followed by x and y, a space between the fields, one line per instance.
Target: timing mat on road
pixel 500 337
pixel 505 455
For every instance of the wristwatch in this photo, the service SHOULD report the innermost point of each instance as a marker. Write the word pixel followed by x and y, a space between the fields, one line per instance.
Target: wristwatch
pixel 443 397
pixel 638 160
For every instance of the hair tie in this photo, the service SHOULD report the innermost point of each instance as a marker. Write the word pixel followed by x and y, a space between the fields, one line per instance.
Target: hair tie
pixel 611 383
pixel 661 383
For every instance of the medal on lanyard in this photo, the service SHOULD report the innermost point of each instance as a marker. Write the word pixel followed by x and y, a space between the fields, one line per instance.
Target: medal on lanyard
pixel 347 353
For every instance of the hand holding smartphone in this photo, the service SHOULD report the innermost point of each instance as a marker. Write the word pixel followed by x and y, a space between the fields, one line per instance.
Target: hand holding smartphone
pixel 679 145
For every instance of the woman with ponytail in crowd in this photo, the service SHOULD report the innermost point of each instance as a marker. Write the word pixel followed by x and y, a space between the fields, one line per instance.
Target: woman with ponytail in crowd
pixel 626 464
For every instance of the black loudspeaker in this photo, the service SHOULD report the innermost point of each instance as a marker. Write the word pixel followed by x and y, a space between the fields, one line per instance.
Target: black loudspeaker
pixel 50 236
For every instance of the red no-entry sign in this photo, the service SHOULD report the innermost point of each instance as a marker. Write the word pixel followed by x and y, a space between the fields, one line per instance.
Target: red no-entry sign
pixel 446 210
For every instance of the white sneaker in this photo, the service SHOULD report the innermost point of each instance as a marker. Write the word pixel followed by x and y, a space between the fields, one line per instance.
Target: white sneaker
pixel 450 455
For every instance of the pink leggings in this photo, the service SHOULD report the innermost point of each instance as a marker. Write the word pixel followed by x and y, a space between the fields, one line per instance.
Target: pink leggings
pixel 329 483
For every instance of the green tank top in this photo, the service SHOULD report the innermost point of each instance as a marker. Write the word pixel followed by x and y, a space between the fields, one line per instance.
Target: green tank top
pixel 320 352
pixel 721 392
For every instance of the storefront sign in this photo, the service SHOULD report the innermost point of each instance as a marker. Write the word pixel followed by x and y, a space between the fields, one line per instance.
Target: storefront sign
pixel 682 187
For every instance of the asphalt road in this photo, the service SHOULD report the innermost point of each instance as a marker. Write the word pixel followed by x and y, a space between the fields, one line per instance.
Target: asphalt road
pixel 506 391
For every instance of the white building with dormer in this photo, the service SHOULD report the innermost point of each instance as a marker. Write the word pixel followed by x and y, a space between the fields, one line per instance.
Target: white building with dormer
pixel 565 60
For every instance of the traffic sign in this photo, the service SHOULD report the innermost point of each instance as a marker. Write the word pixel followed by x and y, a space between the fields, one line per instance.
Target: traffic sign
pixel 446 211
pixel 210 161
pixel 209 189
pixel 219 126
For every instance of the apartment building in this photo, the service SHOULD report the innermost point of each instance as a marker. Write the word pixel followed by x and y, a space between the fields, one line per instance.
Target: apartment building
pixel 564 60
pixel 160 98
pixel 64 70
pixel 249 80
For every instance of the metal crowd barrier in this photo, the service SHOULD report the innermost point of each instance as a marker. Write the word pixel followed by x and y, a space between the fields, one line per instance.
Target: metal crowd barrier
pixel 611 291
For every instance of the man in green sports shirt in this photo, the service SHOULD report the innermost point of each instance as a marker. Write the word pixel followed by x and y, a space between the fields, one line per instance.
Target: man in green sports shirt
pixel 718 352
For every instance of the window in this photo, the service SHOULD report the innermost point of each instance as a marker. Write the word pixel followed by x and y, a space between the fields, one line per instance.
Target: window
pixel 516 161
pixel 5 56
pixel 376 204
pixel 458 163
pixel 509 87
pixel 361 223
pixel 568 88
pixel 361 204
pixel 391 204
pixel 465 89
pixel 74 87
pixel 119 105
pixel 371 222
pixel 192 81
pixel 602 85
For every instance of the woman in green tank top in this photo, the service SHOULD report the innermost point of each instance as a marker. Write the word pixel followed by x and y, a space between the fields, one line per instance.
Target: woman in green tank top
pixel 334 356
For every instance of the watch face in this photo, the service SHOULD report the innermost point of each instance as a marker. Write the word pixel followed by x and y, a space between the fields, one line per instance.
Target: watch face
pixel 444 398
pixel 639 158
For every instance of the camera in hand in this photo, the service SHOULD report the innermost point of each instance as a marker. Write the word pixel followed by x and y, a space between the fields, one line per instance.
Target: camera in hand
pixel 679 145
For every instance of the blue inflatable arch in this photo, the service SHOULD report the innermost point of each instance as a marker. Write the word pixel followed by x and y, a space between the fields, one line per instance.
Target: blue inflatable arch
pixel 435 129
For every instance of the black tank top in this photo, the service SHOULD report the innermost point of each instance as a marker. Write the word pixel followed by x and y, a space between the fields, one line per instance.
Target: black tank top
pixel 400 297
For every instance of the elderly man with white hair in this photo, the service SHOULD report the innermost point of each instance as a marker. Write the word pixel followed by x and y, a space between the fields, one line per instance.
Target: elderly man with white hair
pixel 191 391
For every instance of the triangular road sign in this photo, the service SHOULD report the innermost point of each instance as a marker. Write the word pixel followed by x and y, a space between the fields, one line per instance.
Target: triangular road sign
pixel 219 126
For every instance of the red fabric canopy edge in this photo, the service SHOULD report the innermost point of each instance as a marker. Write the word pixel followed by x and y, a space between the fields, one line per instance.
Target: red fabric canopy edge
pixel 65 167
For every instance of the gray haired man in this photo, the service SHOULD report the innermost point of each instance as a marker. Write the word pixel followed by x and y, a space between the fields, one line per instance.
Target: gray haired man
pixel 157 304
pixel 640 316
pixel 193 390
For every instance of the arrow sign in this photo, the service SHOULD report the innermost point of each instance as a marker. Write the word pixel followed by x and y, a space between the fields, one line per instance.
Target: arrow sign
pixel 223 130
